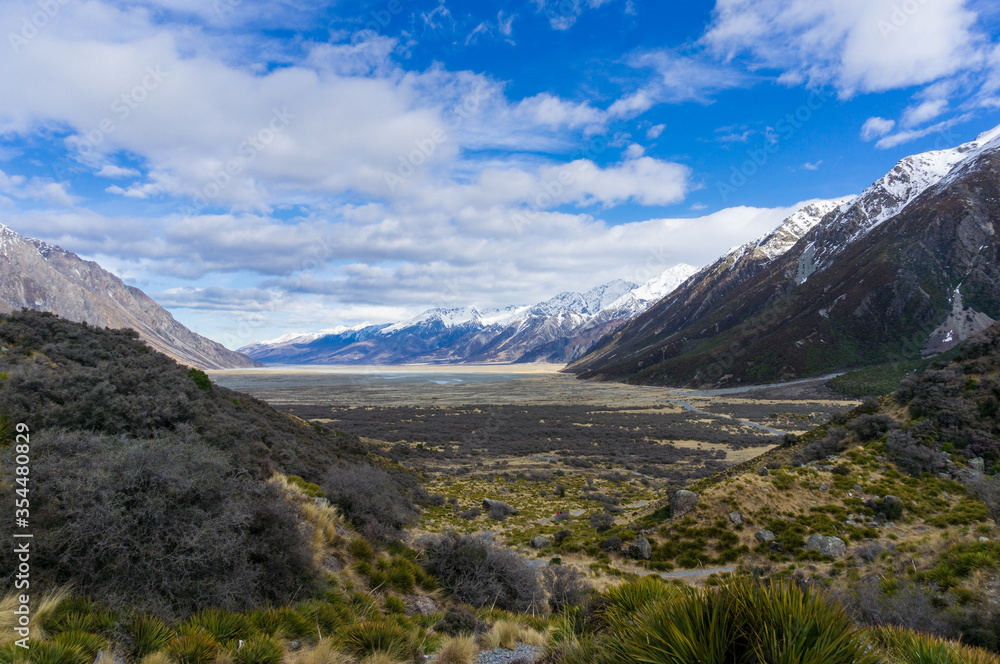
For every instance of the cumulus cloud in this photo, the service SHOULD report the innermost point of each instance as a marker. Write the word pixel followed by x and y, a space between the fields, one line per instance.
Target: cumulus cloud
pixel 876 127
pixel 676 79
pixel 857 46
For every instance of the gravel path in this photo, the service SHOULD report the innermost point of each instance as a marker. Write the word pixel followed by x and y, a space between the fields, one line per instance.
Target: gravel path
pixel 503 656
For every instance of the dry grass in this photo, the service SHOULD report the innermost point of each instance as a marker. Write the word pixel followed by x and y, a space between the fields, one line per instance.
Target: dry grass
pixel 380 658
pixel 323 653
pixel 323 520
pixel 508 633
pixel 157 658
pixel 458 650
pixel 39 611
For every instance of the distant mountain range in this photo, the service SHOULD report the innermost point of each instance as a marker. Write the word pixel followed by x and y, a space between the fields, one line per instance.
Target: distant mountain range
pixel 557 330
pixel 908 268
pixel 42 277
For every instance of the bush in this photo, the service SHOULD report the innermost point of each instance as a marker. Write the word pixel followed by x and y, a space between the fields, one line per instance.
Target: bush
pixel 565 586
pixel 601 522
pixel 172 514
pixel 888 508
pixel 479 572
pixel 612 544
pixel 872 427
pixel 370 496
pixel 455 621
pixel 819 449
pixel 912 457
pixel 470 514
pixel 200 379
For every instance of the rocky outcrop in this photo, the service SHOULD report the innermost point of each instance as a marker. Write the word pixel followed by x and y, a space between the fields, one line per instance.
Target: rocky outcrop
pixel 683 502
pixel 828 546
pixel 42 277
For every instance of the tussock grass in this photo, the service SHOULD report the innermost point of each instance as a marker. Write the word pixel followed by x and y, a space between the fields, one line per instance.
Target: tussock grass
pixel 458 650
pixel 376 636
pixel 41 614
pixel 905 646
pixel 322 653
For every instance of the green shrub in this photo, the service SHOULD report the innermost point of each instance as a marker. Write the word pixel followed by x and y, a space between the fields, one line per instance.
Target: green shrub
pixel 193 649
pixel 149 634
pixel 200 379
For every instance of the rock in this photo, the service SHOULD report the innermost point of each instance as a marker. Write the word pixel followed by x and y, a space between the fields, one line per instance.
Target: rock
pixel 736 518
pixel 944 476
pixel 828 546
pixel 826 469
pixel 857 487
pixel 540 542
pixel 824 487
pixel 984 539
pixel 641 549
pixel 418 604
pixel 498 507
pixel 683 502
pixel 945 495
pixel 764 535
pixel 763 472
pixel 978 465
pixel 775 547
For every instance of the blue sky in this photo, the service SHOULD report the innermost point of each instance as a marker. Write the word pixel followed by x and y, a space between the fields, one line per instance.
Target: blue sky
pixel 267 167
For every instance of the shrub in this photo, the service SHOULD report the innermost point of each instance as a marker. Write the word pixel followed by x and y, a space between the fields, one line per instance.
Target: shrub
pixel 368 495
pixel 455 621
pixel 910 456
pixel 565 587
pixel 193 649
pixel 612 544
pixel 200 379
pixel 149 634
pixel 872 427
pixel 818 449
pixel 601 522
pixel 171 512
pixel 470 514
pixel 889 507
pixel 479 572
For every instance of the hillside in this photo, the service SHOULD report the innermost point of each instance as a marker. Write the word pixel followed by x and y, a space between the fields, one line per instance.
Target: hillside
pixel 39 276
pixel 908 268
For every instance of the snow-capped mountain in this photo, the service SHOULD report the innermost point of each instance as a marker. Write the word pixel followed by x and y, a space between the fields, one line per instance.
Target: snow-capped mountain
pixel 43 277
pixel 556 330
pixel 911 266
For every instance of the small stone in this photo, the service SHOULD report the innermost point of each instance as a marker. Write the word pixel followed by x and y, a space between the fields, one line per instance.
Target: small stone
pixel 828 546
pixel 775 547
pixel 764 535
pixel 683 502
pixel 849 522
pixel 824 487
pixel 763 472
pixel 857 487
pixel 736 518
pixel 540 542
pixel 984 539
pixel 945 495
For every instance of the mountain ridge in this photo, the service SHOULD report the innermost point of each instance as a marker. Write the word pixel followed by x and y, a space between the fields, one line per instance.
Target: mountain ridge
pixel 869 283
pixel 44 277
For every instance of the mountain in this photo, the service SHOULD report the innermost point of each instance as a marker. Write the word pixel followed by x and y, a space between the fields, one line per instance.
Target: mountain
pixel 557 330
pixel 908 268
pixel 42 277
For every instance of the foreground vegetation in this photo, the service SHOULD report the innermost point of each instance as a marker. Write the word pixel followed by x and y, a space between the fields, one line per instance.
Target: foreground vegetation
pixel 179 522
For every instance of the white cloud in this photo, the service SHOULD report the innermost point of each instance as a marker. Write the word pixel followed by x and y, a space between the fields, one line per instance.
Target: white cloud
pixel 847 43
pixel 928 110
pixel 35 188
pixel 115 171
pixel 900 137
pixel 876 127
pixel 812 166
pixel 655 131
pixel 562 14
pixel 676 79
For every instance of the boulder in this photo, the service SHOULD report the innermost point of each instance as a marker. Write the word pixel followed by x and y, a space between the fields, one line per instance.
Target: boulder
pixel 683 502
pixel 828 546
pixel 540 542
pixel 764 535
pixel 824 487
pixel 495 507
pixel 977 464
pixel 763 472
pixel 736 518
pixel 641 549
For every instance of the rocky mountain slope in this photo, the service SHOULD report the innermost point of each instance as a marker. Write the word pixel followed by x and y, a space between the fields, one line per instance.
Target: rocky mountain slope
pixel 42 277
pixel 907 268
pixel 557 330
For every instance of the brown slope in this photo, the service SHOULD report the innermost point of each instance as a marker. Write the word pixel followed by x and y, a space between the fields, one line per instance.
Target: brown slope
pixel 46 278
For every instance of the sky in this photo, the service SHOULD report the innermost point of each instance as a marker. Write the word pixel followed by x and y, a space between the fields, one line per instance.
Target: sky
pixel 261 168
